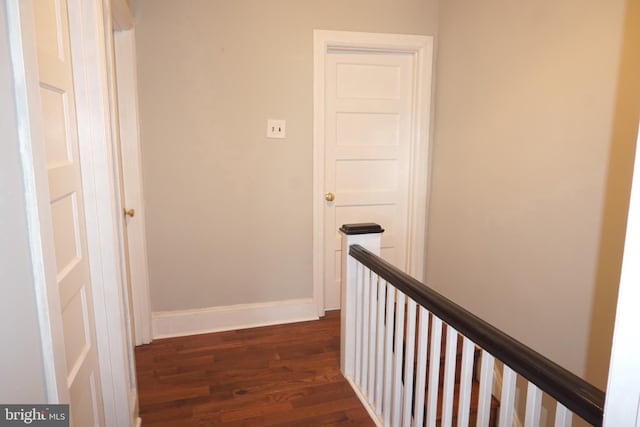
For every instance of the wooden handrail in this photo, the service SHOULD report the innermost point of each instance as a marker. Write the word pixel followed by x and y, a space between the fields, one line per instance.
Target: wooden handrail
pixel 577 395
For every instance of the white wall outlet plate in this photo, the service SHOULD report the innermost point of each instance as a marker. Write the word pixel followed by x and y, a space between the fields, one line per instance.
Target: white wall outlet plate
pixel 276 128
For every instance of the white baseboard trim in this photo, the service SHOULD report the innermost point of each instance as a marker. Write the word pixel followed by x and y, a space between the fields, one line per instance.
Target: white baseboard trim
pixel 225 318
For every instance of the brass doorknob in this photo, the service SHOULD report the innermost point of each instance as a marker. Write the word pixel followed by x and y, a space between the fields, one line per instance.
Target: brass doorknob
pixel 329 197
pixel 130 213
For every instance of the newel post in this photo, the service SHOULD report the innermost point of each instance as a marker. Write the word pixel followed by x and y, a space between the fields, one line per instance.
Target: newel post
pixel 367 235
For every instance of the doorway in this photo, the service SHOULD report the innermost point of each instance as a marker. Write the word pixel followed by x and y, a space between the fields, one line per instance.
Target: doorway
pixel 63 108
pixel 371 131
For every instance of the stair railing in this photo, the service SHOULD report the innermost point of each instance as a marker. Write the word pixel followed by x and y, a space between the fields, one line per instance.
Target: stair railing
pixel 394 327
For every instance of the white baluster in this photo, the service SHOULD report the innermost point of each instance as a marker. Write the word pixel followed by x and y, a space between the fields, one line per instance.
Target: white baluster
pixel 421 366
pixel 388 354
pixel 396 411
pixel 347 317
pixel 434 371
pixel 466 377
pixel 364 376
pixel 507 398
pixel 382 286
pixel 409 354
pixel 373 315
pixel 358 314
pixel 534 402
pixel 486 382
pixel 563 416
pixel 449 376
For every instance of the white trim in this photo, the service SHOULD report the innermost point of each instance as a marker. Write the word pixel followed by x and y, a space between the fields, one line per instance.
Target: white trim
pixel 420 159
pixel 422 48
pixel 101 205
pixel 622 404
pixel 319 48
pixel 132 181
pixel 126 321
pixel 21 26
pixel 225 318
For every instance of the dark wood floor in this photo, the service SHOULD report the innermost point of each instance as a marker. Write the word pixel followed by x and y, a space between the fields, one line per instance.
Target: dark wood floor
pixel 285 375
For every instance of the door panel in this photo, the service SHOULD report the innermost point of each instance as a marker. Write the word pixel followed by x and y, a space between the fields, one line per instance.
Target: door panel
pixel 68 221
pixel 77 341
pixel 367 80
pixel 371 129
pixel 66 236
pixel 368 101
pixel 56 109
pixel 366 175
pixel 84 393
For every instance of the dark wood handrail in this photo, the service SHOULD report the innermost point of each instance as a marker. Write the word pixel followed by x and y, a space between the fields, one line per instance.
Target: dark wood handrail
pixel 573 392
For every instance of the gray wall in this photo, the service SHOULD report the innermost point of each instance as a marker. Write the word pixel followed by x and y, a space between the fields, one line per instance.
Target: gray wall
pixel 21 372
pixel 533 147
pixel 229 213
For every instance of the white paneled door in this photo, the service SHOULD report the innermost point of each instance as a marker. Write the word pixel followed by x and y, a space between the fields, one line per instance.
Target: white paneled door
pixel 66 199
pixel 368 134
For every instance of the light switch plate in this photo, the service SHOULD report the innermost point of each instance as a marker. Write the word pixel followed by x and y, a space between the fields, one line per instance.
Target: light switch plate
pixel 276 128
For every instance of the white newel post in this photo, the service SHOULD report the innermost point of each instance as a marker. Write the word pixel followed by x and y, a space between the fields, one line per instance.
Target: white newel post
pixel 367 235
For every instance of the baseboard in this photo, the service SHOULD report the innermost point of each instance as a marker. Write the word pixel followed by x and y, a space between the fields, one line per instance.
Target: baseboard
pixel 138 422
pixel 225 318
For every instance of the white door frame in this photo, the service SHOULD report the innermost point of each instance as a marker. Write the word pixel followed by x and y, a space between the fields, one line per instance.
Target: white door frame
pixel 126 77
pixel 422 49
pixel 622 404
pixel 131 157
pixel 88 46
